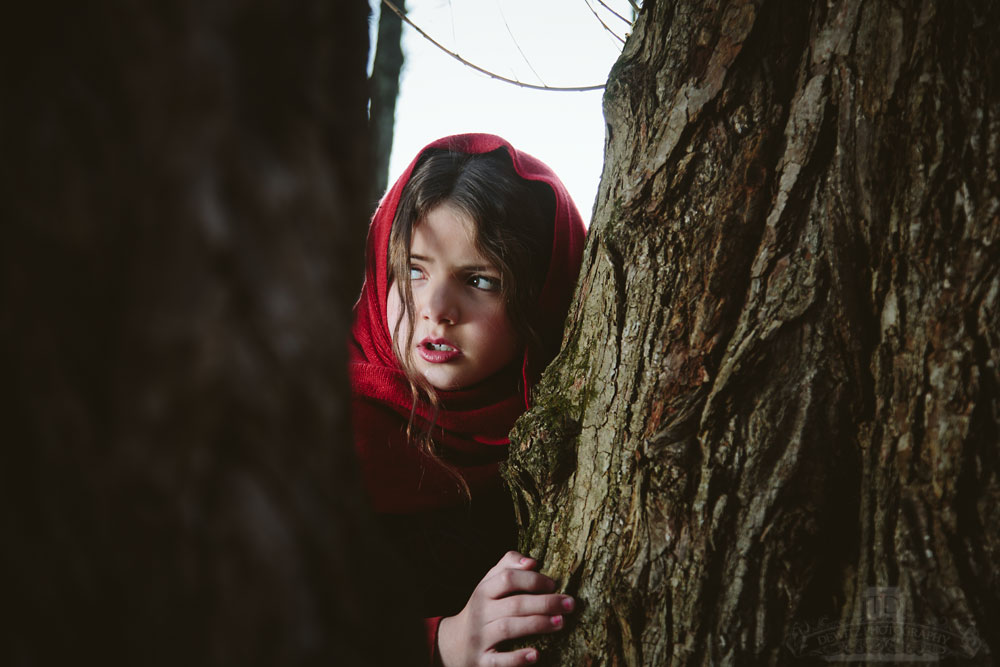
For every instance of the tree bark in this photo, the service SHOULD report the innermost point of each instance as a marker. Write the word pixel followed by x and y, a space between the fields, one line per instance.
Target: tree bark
pixel 182 190
pixel 384 92
pixel 777 400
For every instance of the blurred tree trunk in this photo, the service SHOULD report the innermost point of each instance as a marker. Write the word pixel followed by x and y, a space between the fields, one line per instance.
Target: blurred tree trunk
pixel 384 91
pixel 182 191
pixel 777 402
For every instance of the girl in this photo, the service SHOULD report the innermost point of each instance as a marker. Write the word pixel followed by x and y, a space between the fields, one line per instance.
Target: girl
pixel 471 261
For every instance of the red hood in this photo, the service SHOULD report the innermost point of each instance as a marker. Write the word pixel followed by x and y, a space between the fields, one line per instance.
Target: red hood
pixel 481 416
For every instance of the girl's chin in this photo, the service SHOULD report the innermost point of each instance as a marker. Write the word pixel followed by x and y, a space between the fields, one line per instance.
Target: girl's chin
pixel 444 384
pixel 461 382
pixel 445 379
pixel 456 377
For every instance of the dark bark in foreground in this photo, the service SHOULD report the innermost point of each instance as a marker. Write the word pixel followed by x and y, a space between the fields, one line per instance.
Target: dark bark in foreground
pixel 182 195
pixel 384 92
pixel 779 387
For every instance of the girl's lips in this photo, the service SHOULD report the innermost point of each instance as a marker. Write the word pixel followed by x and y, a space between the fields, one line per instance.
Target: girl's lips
pixel 437 350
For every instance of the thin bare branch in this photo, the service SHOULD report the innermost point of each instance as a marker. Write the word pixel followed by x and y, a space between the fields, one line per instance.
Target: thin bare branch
pixel 451 13
pixel 518 46
pixel 601 21
pixel 488 73
pixel 635 5
pixel 608 7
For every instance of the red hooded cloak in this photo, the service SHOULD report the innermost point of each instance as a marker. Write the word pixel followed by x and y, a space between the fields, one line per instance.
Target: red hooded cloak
pixel 445 542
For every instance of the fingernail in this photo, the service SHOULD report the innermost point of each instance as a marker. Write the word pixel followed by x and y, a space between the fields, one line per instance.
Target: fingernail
pixel 557 621
pixel 531 657
pixel 525 560
pixel 567 604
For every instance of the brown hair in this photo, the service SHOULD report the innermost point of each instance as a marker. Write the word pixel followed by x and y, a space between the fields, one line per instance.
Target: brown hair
pixel 513 217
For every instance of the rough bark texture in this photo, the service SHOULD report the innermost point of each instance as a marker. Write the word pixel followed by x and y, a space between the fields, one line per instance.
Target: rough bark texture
pixel 779 383
pixel 182 194
pixel 384 91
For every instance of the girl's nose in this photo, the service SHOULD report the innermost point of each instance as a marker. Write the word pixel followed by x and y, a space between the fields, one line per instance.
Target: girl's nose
pixel 439 304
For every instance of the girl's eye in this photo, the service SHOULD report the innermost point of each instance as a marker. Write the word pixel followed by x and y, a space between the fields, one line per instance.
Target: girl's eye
pixel 415 273
pixel 485 283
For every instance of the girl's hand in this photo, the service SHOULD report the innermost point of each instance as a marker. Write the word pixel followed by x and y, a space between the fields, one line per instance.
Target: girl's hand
pixel 511 601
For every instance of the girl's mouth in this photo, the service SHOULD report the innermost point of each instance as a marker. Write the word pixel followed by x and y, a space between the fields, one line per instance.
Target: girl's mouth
pixel 437 350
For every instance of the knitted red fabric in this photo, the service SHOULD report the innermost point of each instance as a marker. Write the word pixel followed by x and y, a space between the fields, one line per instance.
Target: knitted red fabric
pixel 472 425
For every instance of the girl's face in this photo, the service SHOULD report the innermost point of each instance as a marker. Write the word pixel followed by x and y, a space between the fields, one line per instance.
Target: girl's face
pixel 462 334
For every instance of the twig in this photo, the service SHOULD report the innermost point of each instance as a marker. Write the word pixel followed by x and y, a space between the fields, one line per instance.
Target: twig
pixel 635 5
pixel 488 73
pixel 605 5
pixel 518 46
pixel 598 17
pixel 451 14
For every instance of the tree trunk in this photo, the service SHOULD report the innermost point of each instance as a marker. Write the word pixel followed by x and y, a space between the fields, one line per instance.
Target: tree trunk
pixel 384 91
pixel 182 190
pixel 777 403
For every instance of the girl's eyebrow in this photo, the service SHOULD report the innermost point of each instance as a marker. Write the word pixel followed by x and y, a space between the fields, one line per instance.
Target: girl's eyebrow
pixel 469 268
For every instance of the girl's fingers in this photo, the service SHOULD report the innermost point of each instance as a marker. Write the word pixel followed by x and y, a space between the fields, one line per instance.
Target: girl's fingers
pixel 511 559
pixel 510 581
pixel 531 605
pixel 512 627
pixel 524 656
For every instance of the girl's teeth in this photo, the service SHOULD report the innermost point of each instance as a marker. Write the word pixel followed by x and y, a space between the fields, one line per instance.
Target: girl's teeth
pixel 440 347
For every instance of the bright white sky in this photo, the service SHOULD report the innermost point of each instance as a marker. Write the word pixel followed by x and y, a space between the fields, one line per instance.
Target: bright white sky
pixel 565 45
